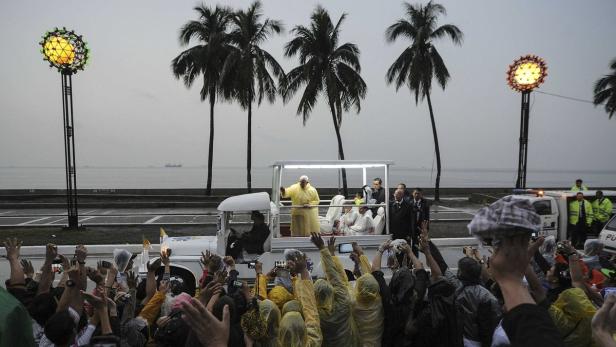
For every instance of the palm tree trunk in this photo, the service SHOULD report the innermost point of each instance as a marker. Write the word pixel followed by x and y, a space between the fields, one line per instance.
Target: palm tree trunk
pixel 210 156
pixel 249 149
pixel 340 150
pixel 436 149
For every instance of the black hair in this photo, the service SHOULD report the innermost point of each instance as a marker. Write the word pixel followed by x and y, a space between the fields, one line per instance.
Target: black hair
pixel 418 190
pixel 60 328
pixel 469 270
pixel 42 308
pixel 402 184
pixel 579 180
pixel 378 180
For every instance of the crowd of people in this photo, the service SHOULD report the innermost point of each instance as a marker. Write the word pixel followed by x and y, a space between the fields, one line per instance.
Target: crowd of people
pixel 527 292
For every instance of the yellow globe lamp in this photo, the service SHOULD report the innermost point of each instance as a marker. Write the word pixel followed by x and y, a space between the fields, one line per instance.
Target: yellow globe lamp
pixel 526 73
pixel 64 50
pixel 59 51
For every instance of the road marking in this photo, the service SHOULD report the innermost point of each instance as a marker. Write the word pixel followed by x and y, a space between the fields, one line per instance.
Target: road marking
pixel 57 220
pixel 152 220
pixel 85 219
pixel 87 212
pixel 33 221
pixel 6 212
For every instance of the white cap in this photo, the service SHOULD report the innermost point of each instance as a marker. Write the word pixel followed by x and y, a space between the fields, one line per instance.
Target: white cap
pixel 304 178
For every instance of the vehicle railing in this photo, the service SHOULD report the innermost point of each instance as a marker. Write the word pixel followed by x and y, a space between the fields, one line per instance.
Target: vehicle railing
pixel 350 205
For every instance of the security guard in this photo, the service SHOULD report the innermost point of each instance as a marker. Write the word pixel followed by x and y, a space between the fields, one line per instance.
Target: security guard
pixel 579 186
pixel 602 211
pixel 580 219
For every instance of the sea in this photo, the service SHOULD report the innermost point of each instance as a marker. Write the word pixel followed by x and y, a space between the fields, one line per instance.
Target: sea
pixel 235 177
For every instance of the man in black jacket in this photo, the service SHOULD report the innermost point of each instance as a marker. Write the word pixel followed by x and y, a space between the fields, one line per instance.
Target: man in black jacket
pixel 421 213
pixel 400 217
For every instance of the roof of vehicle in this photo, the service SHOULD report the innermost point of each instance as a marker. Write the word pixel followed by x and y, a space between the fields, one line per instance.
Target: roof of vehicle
pixel 245 202
pixel 332 164
pixel 571 194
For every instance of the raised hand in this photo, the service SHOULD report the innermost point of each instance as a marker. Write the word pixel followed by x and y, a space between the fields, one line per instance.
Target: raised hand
pixel 165 257
pixel 258 267
pixel 208 329
pixel 331 245
pixel 385 246
pixel 94 275
pixel 28 268
pixel 357 249
pixel 131 280
pixel 101 268
pixel 13 247
pixel 81 252
pixel 604 323
pixel 74 273
pixel 317 240
pixel 229 262
pixel 51 252
pixel 211 289
pixel 221 276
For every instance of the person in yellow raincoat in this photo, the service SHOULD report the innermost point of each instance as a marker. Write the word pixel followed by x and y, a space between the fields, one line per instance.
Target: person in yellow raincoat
pixel 301 329
pixel 334 301
pixel 304 219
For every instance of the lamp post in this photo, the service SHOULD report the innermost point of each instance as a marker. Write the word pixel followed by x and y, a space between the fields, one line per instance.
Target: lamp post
pixel 525 74
pixel 67 52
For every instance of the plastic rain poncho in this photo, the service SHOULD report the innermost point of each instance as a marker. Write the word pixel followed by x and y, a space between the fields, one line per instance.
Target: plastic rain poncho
pixel 295 331
pixel 572 313
pixel 334 305
pixel 270 314
pixel 291 306
pixel 368 311
pixel 303 220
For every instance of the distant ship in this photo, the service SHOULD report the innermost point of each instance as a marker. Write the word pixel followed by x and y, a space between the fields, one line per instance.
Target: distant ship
pixel 173 165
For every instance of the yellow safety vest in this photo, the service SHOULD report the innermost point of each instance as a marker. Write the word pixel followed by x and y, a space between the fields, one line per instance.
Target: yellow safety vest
pixel 602 210
pixel 576 189
pixel 574 212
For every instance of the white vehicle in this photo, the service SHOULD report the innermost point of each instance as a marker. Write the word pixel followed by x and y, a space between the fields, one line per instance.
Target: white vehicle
pixel 608 235
pixel 553 207
pixel 186 251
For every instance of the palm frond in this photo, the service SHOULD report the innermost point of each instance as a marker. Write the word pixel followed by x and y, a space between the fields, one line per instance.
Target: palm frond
pixel 440 70
pixel 401 28
pixel 448 29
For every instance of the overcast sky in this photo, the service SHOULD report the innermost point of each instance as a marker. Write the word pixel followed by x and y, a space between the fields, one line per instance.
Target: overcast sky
pixel 130 111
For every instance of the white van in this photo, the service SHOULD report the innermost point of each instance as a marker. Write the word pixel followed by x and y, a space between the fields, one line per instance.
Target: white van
pixel 553 207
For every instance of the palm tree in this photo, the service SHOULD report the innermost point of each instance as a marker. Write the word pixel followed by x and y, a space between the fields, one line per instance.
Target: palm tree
pixel 420 62
pixel 605 91
pixel 325 67
pixel 205 59
pixel 245 74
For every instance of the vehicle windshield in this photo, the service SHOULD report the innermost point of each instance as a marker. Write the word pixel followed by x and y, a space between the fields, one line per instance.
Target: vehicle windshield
pixel 611 225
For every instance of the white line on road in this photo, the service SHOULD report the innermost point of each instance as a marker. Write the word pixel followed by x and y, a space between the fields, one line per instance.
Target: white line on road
pixel 87 212
pixel 6 212
pixel 152 220
pixel 85 219
pixel 57 220
pixel 33 221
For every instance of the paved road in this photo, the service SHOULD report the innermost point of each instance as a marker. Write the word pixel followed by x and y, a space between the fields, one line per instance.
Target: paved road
pixel 166 216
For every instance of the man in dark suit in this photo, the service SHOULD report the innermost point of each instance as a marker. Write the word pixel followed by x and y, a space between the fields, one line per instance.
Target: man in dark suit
pixel 421 211
pixel 400 217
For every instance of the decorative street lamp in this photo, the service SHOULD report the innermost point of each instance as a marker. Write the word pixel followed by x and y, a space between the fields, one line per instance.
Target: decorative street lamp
pixel 67 52
pixel 525 74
